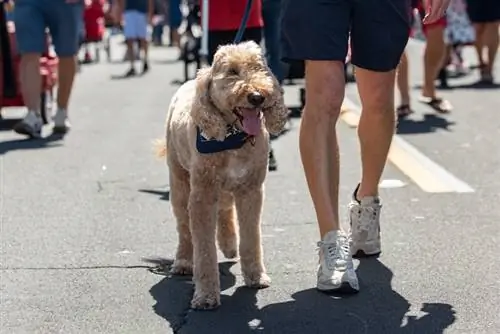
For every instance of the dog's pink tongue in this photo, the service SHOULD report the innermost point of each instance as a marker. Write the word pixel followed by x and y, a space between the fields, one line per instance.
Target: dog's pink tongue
pixel 251 121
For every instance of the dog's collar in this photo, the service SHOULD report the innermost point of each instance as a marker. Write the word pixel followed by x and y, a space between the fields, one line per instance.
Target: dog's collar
pixel 235 139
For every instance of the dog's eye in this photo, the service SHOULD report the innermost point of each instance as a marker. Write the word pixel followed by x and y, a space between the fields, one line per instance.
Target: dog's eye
pixel 233 71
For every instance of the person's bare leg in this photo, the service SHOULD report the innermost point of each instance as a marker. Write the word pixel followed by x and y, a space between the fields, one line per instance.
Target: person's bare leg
pixel 67 70
pixel 491 40
pixel 318 139
pixel 434 56
pixel 376 126
pixel 130 51
pixel 403 80
pixel 143 45
pixel 479 44
pixel 31 80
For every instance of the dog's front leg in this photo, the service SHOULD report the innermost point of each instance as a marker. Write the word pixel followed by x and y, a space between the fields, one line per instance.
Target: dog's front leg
pixel 203 222
pixel 249 209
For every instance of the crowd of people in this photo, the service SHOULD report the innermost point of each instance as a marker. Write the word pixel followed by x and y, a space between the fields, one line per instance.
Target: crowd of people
pixel 319 33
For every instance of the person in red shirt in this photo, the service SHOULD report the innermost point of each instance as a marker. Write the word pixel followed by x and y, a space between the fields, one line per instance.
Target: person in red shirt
pixel 224 19
pixel 93 16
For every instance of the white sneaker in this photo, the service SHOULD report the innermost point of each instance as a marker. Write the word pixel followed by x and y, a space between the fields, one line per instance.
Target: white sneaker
pixel 336 270
pixel 364 218
pixel 31 125
pixel 61 121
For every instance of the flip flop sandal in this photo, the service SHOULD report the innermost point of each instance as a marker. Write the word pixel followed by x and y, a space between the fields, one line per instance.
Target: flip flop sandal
pixel 404 110
pixel 438 104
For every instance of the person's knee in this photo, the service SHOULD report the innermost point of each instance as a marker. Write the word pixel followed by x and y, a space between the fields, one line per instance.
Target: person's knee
pixel 376 91
pixel 324 88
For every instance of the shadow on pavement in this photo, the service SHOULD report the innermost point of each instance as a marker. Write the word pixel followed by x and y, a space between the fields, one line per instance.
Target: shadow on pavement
pixel 475 85
pixel 376 309
pixel 30 144
pixel 429 123
pixel 173 293
pixel 164 195
pixel 8 124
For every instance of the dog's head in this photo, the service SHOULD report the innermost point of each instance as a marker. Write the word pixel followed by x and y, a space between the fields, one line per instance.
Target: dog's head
pixel 238 89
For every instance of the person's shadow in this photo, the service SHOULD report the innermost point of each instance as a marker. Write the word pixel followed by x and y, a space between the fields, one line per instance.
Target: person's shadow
pixel 428 124
pixel 52 140
pixel 376 309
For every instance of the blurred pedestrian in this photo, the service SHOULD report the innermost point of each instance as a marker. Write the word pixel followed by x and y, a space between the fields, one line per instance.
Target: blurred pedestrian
pixel 137 14
pixel 485 16
pixel 31 18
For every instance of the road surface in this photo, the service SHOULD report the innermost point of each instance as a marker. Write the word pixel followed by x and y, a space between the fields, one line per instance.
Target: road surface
pixel 78 215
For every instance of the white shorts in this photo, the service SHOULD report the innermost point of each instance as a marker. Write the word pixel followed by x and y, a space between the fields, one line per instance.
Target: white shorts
pixel 136 25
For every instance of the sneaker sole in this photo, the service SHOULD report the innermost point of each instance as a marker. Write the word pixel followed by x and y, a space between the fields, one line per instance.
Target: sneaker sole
pixel 24 129
pixel 343 288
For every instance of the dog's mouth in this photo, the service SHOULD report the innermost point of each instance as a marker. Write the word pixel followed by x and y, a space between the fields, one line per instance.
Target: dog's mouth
pixel 250 119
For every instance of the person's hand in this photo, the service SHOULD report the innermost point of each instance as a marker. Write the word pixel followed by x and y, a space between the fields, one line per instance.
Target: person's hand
pixel 434 10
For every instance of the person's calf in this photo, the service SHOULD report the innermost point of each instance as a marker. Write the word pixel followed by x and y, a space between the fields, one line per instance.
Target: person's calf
pixel 491 40
pixel 67 71
pixel 31 80
pixel 376 127
pixel 434 57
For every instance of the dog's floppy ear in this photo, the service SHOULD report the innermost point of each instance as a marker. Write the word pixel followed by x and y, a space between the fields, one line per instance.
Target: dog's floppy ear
pixel 204 112
pixel 276 116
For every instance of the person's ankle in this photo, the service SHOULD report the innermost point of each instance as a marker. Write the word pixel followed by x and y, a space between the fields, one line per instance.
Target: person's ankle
pixel 362 193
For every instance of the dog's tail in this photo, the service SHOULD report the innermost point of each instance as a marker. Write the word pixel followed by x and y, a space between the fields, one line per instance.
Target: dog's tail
pixel 160 147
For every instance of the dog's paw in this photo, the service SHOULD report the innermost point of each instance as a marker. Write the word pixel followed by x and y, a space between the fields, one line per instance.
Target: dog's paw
pixel 205 301
pixel 257 280
pixel 182 267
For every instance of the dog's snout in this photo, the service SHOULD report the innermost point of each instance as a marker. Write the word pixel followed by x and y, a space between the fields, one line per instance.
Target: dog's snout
pixel 255 99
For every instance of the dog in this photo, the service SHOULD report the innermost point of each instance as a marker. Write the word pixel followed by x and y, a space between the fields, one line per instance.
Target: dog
pixel 217 144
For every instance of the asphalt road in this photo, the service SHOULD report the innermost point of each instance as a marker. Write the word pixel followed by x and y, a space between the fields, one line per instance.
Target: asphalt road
pixel 78 215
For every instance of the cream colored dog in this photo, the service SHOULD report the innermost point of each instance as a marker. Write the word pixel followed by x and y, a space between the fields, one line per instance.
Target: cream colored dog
pixel 217 145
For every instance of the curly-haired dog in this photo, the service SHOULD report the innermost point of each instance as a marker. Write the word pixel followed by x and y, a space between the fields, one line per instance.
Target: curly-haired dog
pixel 217 151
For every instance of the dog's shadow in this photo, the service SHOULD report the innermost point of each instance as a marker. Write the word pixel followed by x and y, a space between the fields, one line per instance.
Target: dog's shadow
pixel 377 309
pixel 173 293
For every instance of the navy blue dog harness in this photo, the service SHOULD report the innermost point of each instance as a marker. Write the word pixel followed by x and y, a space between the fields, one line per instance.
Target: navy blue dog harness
pixel 234 140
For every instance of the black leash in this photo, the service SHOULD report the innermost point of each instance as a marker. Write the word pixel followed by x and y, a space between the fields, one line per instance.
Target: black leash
pixel 243 24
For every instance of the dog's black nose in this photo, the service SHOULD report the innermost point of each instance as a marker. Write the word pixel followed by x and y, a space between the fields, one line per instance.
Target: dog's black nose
pixel 255 99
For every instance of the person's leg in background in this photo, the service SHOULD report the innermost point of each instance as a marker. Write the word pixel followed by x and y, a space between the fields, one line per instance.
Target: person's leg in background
pixel 318 143
pixel 271 13
pixel 63 22
pixel 434 58
pixel 142 32
pixel 30 35
pixel 403 84
pixel 131 29
pixel 491 40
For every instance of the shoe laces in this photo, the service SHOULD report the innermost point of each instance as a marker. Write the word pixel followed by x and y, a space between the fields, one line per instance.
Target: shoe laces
pixel 336 251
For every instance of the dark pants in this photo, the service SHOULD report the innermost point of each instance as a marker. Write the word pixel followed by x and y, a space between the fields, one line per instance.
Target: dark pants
pixel 271 13
pixel 320 29
pixel 217 38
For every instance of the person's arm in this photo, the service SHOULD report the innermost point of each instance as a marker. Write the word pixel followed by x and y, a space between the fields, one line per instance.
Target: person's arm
pixel 434 10
pixel 151 8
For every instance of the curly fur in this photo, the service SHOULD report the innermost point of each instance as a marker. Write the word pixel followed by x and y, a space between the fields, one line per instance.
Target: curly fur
pixel 219 196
